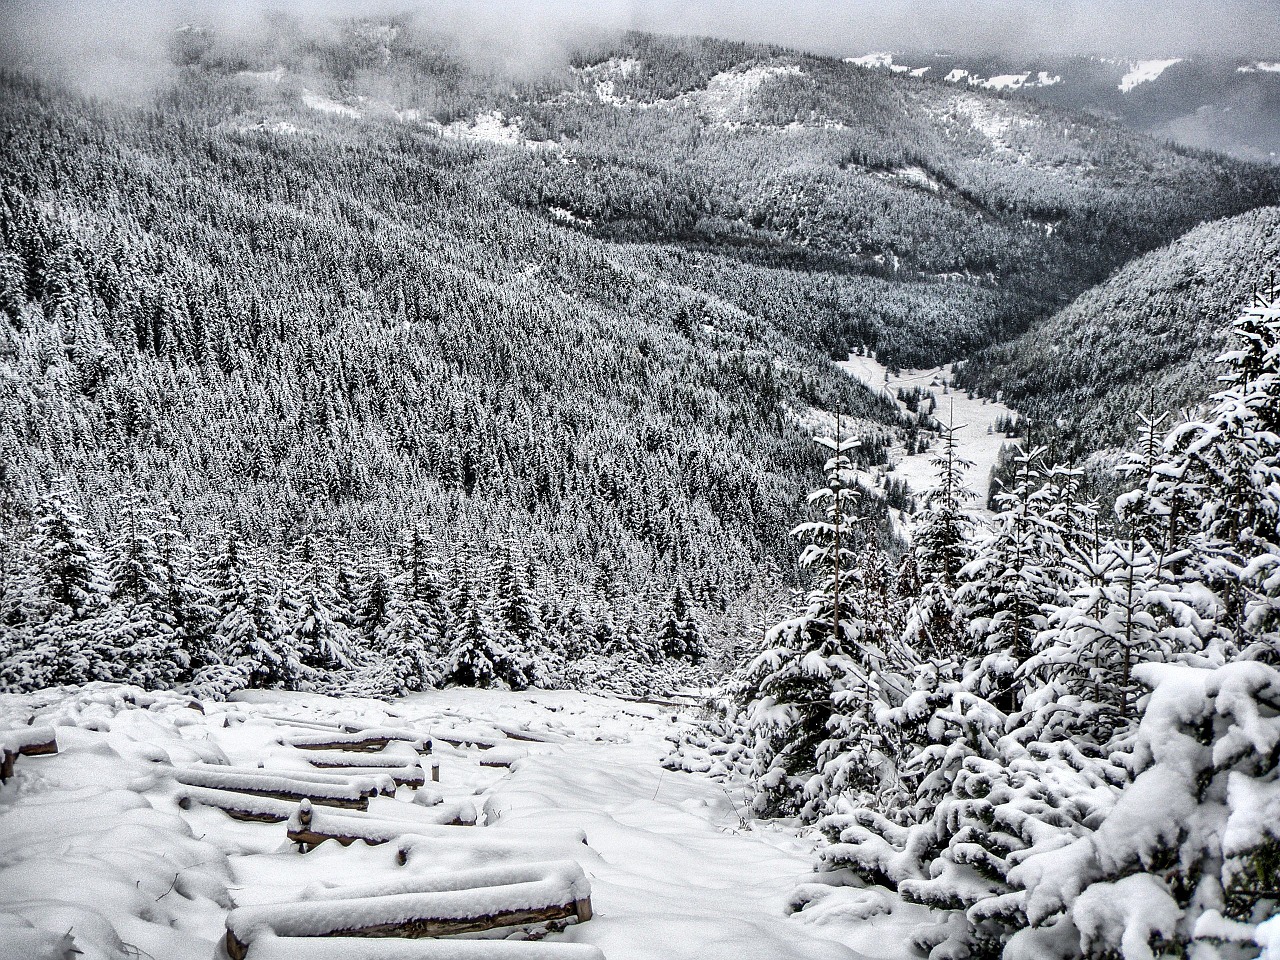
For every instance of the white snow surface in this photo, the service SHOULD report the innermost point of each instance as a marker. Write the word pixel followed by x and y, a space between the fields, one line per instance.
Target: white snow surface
pixel 1261 66
pixel 1144 71
pixel 974 417
pixel 97 846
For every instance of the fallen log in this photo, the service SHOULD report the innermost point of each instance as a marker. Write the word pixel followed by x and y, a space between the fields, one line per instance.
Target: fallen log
pixel 363 741
pixel 422 906
pixel 462 737
pixel 309 827
pixel 502 757
pixel 271 947
pixel 24 742
pixel 409 773
pixel 370 780
pixel 353 795
pixel 238 806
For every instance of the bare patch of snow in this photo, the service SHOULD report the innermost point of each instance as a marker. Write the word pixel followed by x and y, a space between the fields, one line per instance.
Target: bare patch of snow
pixel 604 77
pixel 917 177
pixel 325 104
pixel 568 217
pixel 1144 71
pixel 1262 66
pixel 263 76
pixel 1007 81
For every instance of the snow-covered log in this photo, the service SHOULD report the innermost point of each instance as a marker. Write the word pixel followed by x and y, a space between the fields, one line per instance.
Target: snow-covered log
pixel 502 757
pixel 402 775
pixel 370 740
pixel 461 902
pixel 464 737
pixel 355 948
pixel 310 827
pixel 371 780
pixel 352 794
pixel 238 806
pixel 24 742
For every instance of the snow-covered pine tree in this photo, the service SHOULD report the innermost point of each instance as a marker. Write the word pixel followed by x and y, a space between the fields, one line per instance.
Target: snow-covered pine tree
pixel 1014 573
pixel 249 636
pixel 478 659
pixel 61 610
pixel 679 636
pixel 373 612
pixel 1226 467
pixel 138 629
pixel 514 616
pixel 1128 609
pixel 1185 862
pixel 314 625
pixel 410 646
pixel 813 690
pixel 187 603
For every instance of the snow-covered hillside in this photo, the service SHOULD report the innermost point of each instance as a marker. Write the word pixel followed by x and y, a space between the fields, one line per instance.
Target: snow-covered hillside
pixel 99 852
pixel 974 417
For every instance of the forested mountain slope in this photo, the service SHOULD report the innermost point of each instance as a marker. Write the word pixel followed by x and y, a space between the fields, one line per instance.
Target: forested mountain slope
pixel 1143 337
pixel 321 291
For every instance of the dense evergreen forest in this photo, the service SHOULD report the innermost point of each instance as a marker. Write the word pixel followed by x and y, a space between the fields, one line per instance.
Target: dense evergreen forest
pixel 342 361
pixel 1147 335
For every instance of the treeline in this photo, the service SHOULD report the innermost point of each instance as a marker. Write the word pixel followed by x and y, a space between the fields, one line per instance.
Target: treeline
pixel 1057 727
pixel 141 604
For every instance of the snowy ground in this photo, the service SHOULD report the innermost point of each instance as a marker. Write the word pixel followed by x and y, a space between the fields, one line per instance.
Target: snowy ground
pixel 98 849
pixel 978 440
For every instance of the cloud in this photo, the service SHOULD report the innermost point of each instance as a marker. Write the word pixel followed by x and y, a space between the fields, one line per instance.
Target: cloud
pixel 120 48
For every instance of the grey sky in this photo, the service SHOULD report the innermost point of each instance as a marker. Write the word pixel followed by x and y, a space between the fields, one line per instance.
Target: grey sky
pixel 1130 28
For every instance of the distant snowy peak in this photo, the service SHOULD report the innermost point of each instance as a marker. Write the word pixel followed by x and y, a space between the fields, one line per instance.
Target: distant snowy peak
pixel 1144 71
pixel 1007 81
pixel 877 61
pixel 1004 81
pixel 1260 66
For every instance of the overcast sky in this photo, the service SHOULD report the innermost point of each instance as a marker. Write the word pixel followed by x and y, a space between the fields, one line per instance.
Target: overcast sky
pixel 1125 27
pixel 109 44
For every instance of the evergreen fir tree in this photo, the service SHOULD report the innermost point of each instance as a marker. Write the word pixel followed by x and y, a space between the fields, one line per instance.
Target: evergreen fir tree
pixel 679 636
pixel 813 691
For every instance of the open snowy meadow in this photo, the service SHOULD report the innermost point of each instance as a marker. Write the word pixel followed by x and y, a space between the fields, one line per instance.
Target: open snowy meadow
pixel 117 844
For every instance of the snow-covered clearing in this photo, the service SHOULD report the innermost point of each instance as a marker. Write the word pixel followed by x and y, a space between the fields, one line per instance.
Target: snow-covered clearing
pixel 98 850
pixel 728 94
pixel 604 77
pixel 991 119
pixel 1144 71
pixel 493 127
pixel 977 437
